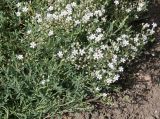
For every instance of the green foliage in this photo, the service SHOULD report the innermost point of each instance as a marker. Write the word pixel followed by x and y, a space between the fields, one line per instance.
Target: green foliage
pixel 56 54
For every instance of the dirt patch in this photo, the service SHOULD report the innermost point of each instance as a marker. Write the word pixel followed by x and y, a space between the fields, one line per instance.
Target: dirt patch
pixel 140 97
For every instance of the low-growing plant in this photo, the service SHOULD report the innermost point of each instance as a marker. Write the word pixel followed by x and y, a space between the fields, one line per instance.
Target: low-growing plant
pixel 55 54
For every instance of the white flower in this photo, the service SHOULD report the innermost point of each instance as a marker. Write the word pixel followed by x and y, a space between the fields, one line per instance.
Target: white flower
pixel 136 16
pixel 38 15
pixel 69 12
pixel 139 9
pixel 47 80
pixel 136 39
pixel 144 37
pixel 98 55
pixel 69 18
pixel 120 69
pixel 50 33
pixel 18 14
pixel 104 19
pixel 90 49
pixel 98 13
pixel 81 52
pixel 128 10
pixel 119 39
pixel 69 7
pixel 39 20
pixel 63 13
pixel 43 82
pixel 134 48
pixel 103 9
pixel 60 54
pixel 98 75
pixel 97 89
pixel 123 60
pixel 154 25
pixel 153 54
pixel 98 30
pixel 49 17
pixel 77 22
pixel 152 31
pixel 18 4
pixel 92 37
pixel 114 60
pixel 116 77
pixel 145 26
pixel 103 47
pixel 73 4
pixel 19 57
pixel 25 9
pixel 97 72
pixel 141 4
pixel 75 52
pixel 104 71
pixel 55 16
pixel 87 17
pixel 33 45
pixel 108 81
pixel 90 14
pixel 29 32
pixel 124 36
pixel 104 94
pixel 116 2
pixel 125 42
pixel 98 38
pixel 111 65
pixel 50 8
pixel 116 48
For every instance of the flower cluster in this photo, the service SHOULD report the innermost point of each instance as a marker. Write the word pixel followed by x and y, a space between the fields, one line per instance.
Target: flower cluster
pixel 86 35
pixel 21 9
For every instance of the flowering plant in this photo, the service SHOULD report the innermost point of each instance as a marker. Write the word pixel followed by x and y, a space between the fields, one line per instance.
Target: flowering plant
pixel 63 51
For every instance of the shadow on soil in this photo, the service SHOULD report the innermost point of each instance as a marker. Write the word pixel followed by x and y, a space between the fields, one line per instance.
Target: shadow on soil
pixel 148 61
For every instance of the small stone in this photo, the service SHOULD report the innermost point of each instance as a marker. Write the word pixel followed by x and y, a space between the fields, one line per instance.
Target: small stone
pixel 147 77
pixel 101 116
pixel 153 54
pixel 95 115
pixel 87 116
pixel 150 117
pixel 79 116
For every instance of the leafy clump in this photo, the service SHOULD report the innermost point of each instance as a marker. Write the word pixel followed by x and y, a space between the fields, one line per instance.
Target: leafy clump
pixel 55 54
